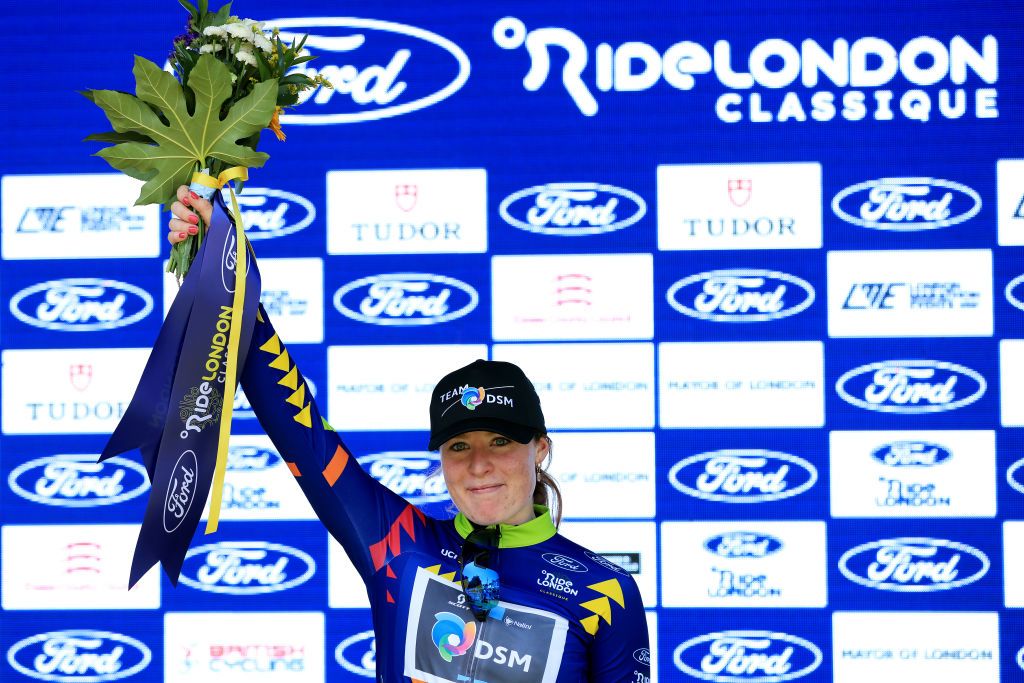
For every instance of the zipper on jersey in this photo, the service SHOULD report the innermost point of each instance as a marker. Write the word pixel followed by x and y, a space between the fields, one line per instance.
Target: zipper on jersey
pixel 471 670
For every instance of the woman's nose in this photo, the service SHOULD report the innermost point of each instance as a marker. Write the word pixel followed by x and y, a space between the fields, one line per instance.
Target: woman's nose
pixel 479 460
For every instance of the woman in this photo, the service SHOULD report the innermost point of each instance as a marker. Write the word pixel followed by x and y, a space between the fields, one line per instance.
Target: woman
pixel 494 595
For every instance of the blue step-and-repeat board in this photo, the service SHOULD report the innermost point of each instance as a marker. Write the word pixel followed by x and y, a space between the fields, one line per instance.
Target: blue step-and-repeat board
pixel 762 260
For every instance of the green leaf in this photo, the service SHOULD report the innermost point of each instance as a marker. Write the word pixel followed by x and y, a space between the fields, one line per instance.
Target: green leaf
pixel 114 136
pixel 189 139
pixel 189 7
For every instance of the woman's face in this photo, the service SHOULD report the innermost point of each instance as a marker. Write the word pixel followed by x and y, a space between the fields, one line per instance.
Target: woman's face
pixel 491 477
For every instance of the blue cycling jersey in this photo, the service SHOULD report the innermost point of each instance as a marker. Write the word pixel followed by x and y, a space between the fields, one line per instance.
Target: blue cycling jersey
pixel 565 614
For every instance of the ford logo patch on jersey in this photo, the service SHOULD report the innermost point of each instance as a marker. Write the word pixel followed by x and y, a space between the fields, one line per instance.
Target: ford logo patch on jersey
pixel 414 475
pixel 268 213
pixel 246 567
pixel 911 386
pixel 379 69
pixel 747 656
pixel 564 562
pixel 81 304
pixel 742 476
pixel 358 654
pixel 78 481
pixel 740 295
pixel 743 544
pixel 1015 292
pixel 405 299
pixel 572 209
pixel 79 655
pixel 906 204
pixel 911 454
pixel 913 565
pixel 1015 475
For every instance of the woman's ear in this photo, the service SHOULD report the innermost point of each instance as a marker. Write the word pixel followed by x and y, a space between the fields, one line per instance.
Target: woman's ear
pixel 543 448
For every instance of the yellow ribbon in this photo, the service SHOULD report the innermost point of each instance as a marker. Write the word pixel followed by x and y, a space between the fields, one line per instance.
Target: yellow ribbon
pixel 231 373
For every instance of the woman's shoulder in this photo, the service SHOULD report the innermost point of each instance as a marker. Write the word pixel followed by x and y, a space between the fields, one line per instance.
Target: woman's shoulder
pixel 572 557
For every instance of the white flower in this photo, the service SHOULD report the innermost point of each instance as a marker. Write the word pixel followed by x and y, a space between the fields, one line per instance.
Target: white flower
pixel 216 31
pixel 239 31
pixel 210 48
pixel 262 43
pixel 246 56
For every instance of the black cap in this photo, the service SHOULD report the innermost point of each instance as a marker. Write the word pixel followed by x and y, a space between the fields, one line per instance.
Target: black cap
pixel 486 395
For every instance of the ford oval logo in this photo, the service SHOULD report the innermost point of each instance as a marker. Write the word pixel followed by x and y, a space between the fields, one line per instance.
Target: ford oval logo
pixel 911 386
pixel 1015 475
pixel 1015 292
pixel 742 476
pixel 572 209
pixel 740 295
pixel 913 565
pixel 79 655
pixel 906 204
pixel 743 544
pixel 1020 658
pixel 251 458
pixel 405 299
pixel 747 656
pixel 358 654
pixel 642 656
pixel 268 213
pixel 379 68
pixel 181 491
pixel 78 481
pixel 414 475
pixel 246 568
pixel 911 454
pixel 564 562
pixel 81 304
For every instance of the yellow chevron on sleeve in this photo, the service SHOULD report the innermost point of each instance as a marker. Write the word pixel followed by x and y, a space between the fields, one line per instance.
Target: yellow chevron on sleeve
pixel 612 589
pixel 298 398
pixel 600 607
pixel 590 624
pixel 281 362
pixel 259 316
pixel 291 380
pixel 272 345
pixel 434 569
pixel 450 576
pixel 303 417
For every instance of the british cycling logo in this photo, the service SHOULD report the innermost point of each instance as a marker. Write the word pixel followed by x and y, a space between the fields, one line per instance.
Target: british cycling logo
pixel 913 565
pixel 906 204
pixel 78 481
pixel 79 655
pixel 358 654
pixel 740 295
pixel 269 213
pixel 743 544
pixel 81 304
pixel 246 568
pixel 472 397
pixel 423 68
pixel 911 454
pixel 452 636
pixel 742 476
pixel 747 656
pixel 911 386
pixel 404 299
pixel 572 209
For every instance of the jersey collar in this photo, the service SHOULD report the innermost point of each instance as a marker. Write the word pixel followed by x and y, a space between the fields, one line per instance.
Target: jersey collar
pixel 537 530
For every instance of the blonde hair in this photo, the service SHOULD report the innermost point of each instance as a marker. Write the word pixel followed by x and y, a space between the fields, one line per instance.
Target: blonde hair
pixel 546 491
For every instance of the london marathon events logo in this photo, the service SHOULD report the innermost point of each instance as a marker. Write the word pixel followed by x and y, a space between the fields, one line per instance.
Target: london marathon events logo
pixel 913 565
pixel 1015 292
pixel 78 481
pixel 911 386
pixel 572 209
pixel 379 69
pixel 747 657
pixel 414 475
pixel 79 655
pixel 358 654
pixel 906 204
pixel 81 304
pixel 742 476
pixel 246 568
pixel 740 295
pixel 268 213
pixel 735 544
pixel 405 299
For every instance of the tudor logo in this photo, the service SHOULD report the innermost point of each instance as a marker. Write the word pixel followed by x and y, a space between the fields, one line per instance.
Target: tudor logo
pixel 81 304
pixel 358 654
pixel 246 568
pixel 379 69
pixel 268 213
pixel 572 209
pixel 1014 292
pixel 911 454
pixel 906 204
pixel 80 375
pixel 740 190
pixel 911 386
pixel 747 656
pixel 406 196
pixel 742 476
pixel 913 565
pixel 405 299
pixel 79 655
pixel 743 544
pixel 1015 475
pixel 740 295
pixel 78 481
pixel 564 562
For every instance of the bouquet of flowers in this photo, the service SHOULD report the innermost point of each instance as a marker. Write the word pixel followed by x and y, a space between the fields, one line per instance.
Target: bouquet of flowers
pixel 230 81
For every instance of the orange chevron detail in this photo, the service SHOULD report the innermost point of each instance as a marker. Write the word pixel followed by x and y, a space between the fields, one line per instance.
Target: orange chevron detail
pixel 390 599
pixel 392 541
pixel 294 469
pixel 390 574
pixel 336 466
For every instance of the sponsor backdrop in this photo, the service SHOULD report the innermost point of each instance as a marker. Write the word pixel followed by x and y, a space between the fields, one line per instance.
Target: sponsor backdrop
pixel 763 262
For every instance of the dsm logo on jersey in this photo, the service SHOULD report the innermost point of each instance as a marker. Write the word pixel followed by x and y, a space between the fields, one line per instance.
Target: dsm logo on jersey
pixel 405 299
pixel 81 304
pixel 906 204
pixel 742 476
pixel 268 213
pixel 911 386
pixel 747 656
pixel 79 655
pixel 78 481
pixel 379 69
pixel 572 209
pixel 740 295
pixel 911 454
pixel 913 565
pixel 743 544
pixel 246 568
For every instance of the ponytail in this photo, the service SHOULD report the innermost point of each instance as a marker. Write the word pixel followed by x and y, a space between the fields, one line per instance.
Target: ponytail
pixel 546 491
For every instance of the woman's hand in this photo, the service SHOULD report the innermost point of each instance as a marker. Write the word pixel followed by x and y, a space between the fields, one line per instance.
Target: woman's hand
pixel 186 213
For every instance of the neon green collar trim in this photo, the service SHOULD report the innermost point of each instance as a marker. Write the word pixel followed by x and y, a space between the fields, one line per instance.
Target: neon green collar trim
pixel 537 530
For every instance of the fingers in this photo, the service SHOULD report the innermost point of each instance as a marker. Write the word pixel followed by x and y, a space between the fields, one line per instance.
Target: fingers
pixel 185 215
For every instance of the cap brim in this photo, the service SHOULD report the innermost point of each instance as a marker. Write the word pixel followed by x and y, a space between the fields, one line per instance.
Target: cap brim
pixel 516 432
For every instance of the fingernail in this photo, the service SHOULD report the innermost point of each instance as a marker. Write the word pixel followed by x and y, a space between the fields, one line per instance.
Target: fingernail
pixel 192 218
pixel 193 231
pixel 184 200
pixel 193 194
pixel 181 235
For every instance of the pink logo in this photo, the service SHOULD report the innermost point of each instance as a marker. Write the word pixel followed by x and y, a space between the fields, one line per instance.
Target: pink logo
pixel 573 289
pixel 740 190
pixel 406 196
pixel 80 375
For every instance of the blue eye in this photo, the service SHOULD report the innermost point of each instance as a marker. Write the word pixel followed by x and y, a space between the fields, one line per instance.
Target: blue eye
pixel 501 441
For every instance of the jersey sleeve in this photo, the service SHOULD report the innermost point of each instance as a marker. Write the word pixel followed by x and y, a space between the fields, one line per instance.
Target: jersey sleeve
pixel 370 521
pixel 621 652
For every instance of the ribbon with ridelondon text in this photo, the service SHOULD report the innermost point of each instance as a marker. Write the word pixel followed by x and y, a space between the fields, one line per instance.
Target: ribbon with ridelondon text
pixel 180 415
